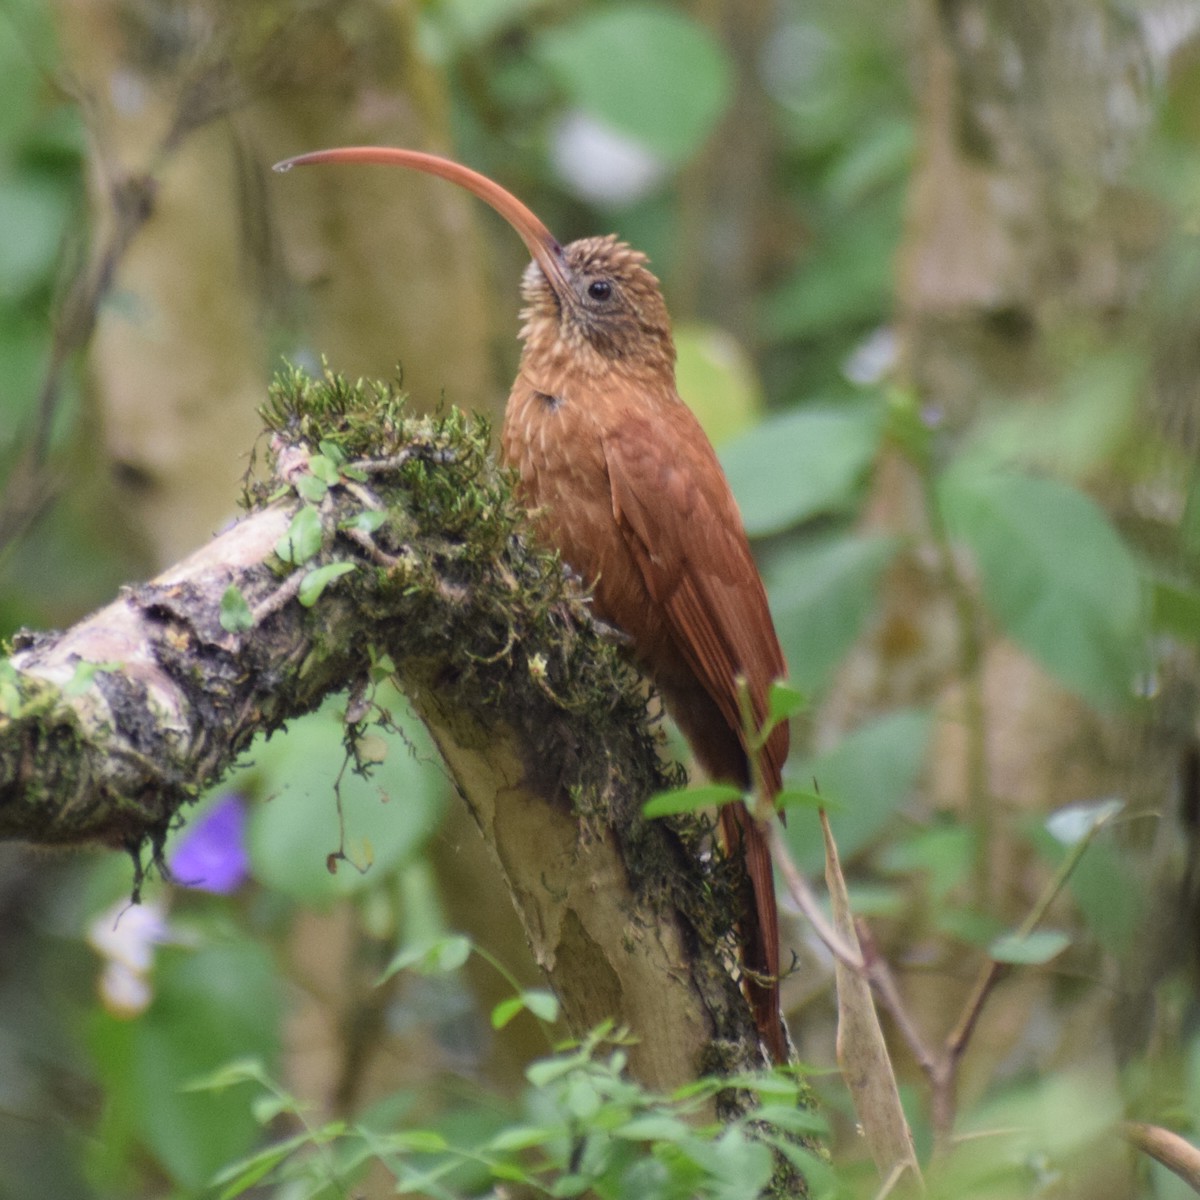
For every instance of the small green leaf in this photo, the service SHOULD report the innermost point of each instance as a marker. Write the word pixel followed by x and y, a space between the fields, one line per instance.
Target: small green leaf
pixel 303 537
pixel 734 1159
pixel 235 615
pixel 332 451
pixel 366 521
pixel 543 1004
pixel 664 804
pixel 806 798
pixel 324 469
pixel 520 1137
pixel 244 1070
pixel 269 1106
pixel 549 1070
pixel 417 1141
pixel 581 1098
pixel 506 1010
pixel 315 582
pixel 792 1119
pixel 310 488
pixel 783 702
pixel 655 1127
pixel 1031 950
pixel 431 958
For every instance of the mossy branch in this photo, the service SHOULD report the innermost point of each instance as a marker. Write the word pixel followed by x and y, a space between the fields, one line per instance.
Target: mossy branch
pixel 385 541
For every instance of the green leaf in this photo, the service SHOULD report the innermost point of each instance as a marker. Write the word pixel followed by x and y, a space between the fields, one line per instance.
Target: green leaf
pixel 944 854
pixel 716 378
pixel 241 1176
pixel 870 773
pixel 745 1166
pixel 315 582
pixel 417 1141
pixel 324 469
pixel 367 520
pixel 1055 573
pixel 310 488
pixel 648 72
pixel 10 693
pixel 506 1010
pixel 242 1070
pixel 546 1071
pixel 543 1004
pixel 452 26
pixel 792 1119
pixel 801 465
pixel 655 1127
pixel 681 800
pixel 784 702
pixel 303 538
pixel 521 1137
pixel 823 591
pixel 1031 949
pixel 581 1098
pixel 235 615
pixel 805 798
pixel 438 957
pixel 333 452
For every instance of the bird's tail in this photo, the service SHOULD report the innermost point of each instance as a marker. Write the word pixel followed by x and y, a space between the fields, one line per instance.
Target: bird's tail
pixel 760 933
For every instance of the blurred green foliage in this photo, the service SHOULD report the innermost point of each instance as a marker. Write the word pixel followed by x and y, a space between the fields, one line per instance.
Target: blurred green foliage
pixel 803 420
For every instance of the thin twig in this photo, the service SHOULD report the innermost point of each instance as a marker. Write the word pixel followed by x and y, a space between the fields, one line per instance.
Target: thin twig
pixel 806 901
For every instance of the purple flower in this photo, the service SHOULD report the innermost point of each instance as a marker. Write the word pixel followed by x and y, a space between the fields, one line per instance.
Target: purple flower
pixel 211 855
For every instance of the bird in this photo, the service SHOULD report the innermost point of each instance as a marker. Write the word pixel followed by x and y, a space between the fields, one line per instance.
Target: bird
pixel 621 479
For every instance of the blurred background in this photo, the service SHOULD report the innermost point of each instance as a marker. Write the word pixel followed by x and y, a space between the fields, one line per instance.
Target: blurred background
pixel 935 273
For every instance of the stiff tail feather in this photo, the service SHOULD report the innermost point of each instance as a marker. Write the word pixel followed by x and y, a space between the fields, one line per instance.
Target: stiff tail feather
pixel 760 927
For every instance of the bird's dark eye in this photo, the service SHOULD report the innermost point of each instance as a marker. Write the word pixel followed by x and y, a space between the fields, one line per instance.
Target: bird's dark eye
pixel 599 289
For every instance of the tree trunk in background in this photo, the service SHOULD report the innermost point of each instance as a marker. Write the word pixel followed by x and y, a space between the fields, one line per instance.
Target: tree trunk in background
pixel 1027 254
pixel 238 266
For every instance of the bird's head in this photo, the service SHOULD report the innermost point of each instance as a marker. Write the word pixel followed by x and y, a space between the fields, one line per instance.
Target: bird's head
pixel 593 302
pixel 598 302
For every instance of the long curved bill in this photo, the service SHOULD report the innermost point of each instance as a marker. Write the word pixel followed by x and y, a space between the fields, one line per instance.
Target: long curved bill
pixel 542 244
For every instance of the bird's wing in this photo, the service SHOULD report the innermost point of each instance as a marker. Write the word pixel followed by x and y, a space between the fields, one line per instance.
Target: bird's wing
pixel 681 523
pixel 678 517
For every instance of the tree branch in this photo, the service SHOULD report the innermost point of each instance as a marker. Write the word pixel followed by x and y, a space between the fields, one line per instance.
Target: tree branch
pixel 109 729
